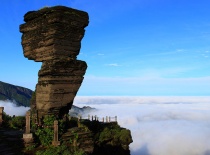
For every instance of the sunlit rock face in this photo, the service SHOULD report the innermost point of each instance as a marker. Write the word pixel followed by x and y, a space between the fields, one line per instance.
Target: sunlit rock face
pixel 53 36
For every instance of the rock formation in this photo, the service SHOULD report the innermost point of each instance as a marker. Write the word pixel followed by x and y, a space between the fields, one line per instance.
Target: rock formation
pixel 53 36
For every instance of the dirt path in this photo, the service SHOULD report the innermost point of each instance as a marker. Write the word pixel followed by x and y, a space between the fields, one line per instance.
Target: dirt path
pixel 11 142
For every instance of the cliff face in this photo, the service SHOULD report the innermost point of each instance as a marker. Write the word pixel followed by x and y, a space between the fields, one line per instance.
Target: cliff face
pixel 18 94
pixel 53 36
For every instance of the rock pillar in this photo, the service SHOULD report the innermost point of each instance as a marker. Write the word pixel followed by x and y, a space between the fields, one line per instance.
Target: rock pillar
pixel 53 36
pixel 27 122
pixel 55 139
pixel 27 136
pixel 1 115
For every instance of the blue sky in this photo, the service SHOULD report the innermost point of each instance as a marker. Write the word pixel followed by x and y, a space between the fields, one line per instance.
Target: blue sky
pixel 132 48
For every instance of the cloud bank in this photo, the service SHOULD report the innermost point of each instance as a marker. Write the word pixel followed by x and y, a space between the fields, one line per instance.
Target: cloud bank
pixel 11 109
pixel 159 125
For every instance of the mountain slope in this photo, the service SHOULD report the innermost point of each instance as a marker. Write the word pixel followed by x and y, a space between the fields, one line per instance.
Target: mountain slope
pixel 17 94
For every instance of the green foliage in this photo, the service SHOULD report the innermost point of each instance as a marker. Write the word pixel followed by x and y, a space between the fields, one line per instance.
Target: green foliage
pixel 59 150
pixel 46 131
pixel 17 122
pixel 105 135
pixel 6 118
pixel 115 135
pixel 79 152
pixel 30 147
pixel 45 135
pixel 76 136
pixel 124 136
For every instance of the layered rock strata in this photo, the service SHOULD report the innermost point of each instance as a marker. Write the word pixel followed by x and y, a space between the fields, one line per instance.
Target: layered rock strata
pixel 53 36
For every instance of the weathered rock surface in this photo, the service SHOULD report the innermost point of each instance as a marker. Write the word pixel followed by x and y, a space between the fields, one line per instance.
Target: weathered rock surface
pixel 53 36
pixel 52 33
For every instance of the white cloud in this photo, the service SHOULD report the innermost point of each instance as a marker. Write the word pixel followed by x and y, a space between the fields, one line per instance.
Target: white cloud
pixel 159 125
pixel 11 109
pixel 180 50
pixel 113 64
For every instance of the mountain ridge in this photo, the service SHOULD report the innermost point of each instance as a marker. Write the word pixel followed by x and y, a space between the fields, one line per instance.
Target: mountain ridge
pixel 19 95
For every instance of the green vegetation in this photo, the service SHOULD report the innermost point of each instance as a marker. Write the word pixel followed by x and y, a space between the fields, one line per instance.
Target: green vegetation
pixel 59 150
pixel 6 118
pixel 17 122
pixel 45 132
pixel 108 138
pixel 116 135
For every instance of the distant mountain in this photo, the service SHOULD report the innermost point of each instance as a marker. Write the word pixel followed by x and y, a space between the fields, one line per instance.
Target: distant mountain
pixel 76 111
pixel 21 97
pixel 17 94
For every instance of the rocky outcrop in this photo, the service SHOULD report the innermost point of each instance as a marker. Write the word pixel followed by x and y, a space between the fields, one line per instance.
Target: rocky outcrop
pixel 53 36
pixel 79 138
pixel 98 138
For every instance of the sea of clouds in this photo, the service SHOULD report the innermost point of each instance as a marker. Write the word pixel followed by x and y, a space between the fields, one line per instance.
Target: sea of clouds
pixel 159 125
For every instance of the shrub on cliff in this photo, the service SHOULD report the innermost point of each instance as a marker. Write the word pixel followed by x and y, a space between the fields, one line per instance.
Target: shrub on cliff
pixel 59 150
pixel 115 135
